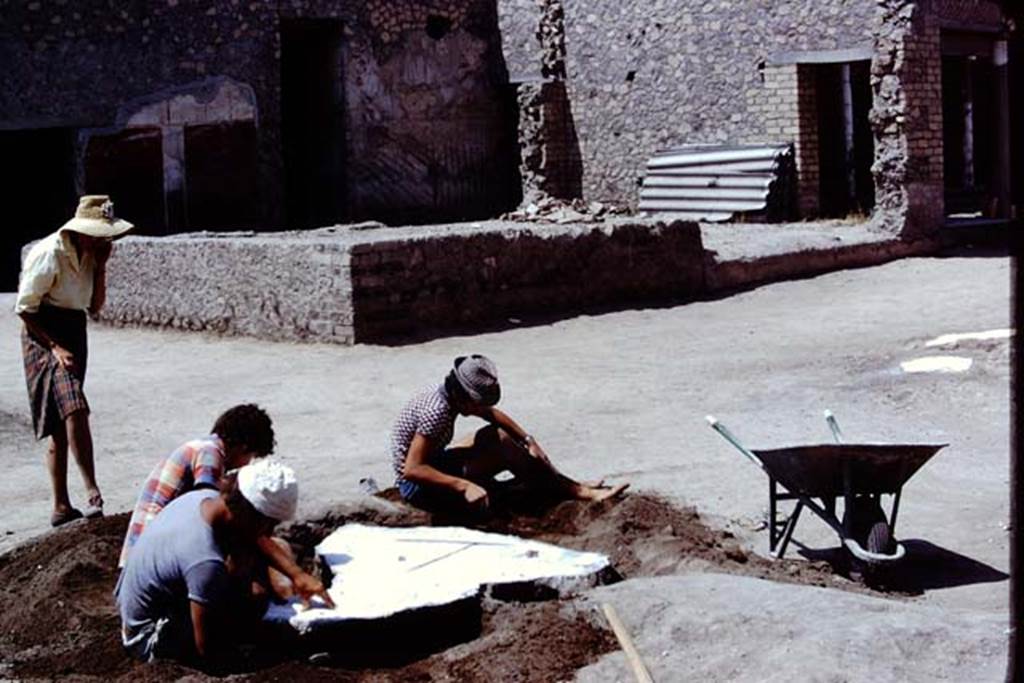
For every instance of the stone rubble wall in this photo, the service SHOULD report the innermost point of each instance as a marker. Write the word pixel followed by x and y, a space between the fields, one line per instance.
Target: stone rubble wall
pixel 643 75
pixel 906 80
pixel 348 285
pixel 281 288
pixel 424 117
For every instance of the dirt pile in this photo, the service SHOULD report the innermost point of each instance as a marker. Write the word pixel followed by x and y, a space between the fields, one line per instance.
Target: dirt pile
pixel 59 617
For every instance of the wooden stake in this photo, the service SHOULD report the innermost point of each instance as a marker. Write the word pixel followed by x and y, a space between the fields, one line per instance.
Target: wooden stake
pixel 639 670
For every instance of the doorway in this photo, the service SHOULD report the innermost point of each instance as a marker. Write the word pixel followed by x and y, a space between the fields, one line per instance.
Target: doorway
pixel 969 136
pixel 312 122
pixel 846 145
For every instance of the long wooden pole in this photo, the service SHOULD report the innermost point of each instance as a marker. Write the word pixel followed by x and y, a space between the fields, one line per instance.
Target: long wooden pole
pixel 639 670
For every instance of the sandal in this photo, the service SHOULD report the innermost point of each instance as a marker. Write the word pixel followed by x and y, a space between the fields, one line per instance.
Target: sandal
pixel 95 507
pixel 69 515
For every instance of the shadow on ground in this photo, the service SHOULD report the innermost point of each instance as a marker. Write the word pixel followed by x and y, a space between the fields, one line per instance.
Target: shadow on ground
pixel 925 567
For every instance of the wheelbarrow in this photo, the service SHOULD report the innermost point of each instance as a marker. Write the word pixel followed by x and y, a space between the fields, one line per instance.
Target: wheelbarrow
pixel 816 476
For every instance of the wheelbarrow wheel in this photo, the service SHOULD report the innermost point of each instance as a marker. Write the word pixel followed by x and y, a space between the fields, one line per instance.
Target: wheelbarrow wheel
pixel 871 530
pixel 880 538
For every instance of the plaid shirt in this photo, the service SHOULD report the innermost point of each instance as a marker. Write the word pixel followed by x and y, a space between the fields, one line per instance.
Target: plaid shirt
pixel 196 463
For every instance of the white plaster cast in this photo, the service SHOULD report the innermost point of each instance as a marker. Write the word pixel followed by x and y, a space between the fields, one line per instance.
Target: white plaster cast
pixel 382 571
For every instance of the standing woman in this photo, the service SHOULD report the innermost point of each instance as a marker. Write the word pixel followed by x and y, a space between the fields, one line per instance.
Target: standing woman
pixel 62 278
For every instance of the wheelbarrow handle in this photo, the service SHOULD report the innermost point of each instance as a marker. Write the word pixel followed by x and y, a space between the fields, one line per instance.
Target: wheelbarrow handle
pixel 731 438
pixel 837 433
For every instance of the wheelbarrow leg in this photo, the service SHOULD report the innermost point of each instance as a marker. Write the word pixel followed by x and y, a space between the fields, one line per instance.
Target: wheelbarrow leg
pixel 787 533
pixel 848 503
pixel 895 509
pixel 773 531
pixel 837 433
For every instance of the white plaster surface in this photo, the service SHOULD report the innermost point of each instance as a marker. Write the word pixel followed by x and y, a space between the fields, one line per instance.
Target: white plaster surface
pixel 382 571
pixel 954 339
pixel 937 364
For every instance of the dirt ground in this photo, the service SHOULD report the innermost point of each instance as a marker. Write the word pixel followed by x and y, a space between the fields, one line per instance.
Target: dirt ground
pixel 60 620
pixel 623 396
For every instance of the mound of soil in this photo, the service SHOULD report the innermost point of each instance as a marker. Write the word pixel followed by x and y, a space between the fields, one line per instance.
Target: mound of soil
pixel 60 619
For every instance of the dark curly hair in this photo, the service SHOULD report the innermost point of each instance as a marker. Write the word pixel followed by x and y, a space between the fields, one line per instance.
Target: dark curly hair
pixel 246 425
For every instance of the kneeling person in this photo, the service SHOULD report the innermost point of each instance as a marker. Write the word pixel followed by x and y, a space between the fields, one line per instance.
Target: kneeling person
pixel 188 586
pixel 432 474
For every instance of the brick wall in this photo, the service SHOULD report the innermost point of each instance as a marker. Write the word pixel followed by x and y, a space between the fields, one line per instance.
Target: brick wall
pixel 787 107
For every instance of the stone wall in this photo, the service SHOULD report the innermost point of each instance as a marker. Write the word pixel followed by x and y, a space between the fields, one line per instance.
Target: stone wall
pixel 282 286
pixel 642 76
pixel 345 285
pixel 422 103
pixel 647 74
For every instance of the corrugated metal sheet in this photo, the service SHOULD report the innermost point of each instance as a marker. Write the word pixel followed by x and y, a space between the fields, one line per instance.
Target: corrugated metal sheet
pixel 714 183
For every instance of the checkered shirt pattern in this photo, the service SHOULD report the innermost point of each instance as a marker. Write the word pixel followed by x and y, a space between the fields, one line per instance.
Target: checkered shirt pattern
pixel 428 413
pixel 198 462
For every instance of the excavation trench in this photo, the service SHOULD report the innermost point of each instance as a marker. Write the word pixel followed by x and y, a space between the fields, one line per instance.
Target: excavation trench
pixel 60 618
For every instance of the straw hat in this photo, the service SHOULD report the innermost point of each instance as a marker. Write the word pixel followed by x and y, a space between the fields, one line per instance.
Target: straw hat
pixel 95 217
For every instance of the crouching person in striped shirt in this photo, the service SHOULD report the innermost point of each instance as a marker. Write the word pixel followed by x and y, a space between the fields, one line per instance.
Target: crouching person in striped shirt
pixel 238 436
pixel 194 587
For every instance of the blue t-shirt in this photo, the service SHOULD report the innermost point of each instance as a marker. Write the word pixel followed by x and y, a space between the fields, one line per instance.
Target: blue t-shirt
pixel 176 561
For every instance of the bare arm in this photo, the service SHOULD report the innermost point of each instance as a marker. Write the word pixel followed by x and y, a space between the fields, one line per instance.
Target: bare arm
pixel 418 471
pixel 280 559
pixel 515 430
pixel 101 253
pixel 501 419
pixel 31 320
pixel 201 628
pixel 63 356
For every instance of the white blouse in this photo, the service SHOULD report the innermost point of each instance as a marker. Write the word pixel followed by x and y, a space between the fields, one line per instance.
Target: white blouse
pixel 52 274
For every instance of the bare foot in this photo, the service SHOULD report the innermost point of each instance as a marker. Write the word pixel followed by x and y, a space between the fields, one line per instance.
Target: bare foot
pixel 598 494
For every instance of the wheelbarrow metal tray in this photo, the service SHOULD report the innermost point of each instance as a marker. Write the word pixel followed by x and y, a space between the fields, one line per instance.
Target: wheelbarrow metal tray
pixel 817 470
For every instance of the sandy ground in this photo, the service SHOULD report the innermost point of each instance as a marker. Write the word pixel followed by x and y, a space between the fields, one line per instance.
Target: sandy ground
pixel 623 396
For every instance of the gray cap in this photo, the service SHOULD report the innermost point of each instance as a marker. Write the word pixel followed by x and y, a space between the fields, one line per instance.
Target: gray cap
pixel 478 376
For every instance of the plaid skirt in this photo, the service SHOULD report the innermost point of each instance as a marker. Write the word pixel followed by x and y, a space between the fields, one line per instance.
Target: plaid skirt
pixel 53 391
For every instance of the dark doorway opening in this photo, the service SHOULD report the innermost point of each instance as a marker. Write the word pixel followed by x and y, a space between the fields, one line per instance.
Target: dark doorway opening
pixel 128 166
pixel 312 112
pixel 846 144
pixel 220 171
pixel 40 196
pixel 969 136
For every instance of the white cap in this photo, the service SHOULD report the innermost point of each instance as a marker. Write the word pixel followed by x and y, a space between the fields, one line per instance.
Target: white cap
pixel 271 488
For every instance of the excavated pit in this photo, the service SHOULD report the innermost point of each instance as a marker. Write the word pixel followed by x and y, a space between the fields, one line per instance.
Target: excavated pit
pixel 60 619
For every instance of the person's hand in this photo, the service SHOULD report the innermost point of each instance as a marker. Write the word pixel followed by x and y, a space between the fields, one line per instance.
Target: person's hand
pixel 308 586
pixel 101 251
pixel 65 358
pixel 475 495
